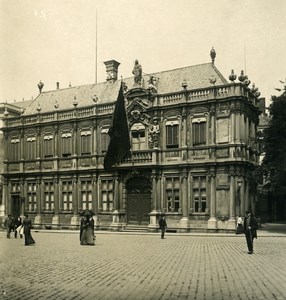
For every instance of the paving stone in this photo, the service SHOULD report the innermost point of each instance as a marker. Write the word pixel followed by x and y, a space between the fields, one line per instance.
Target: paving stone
pixel 143 267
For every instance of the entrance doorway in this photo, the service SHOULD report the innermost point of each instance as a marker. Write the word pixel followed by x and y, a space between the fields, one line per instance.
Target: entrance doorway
pixel 138 201
pixel 15 205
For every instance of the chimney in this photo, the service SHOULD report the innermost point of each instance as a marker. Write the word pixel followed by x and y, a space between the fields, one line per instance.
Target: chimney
pixel 111 70
pixel 58 85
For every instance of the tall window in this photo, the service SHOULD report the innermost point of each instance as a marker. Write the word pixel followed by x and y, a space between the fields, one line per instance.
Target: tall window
pixel 172 134
pixel 85 142
pixel 86 194
pixel 138 137
pixel 173 194
pixel 14 149
pixel 31 147
pixel 199 132
pixel 66 144
pixel 32 196
pixel 107 194
pixel 199 194
pixel 104 139
pixel 49 196
pixel 48 146
pixel 67 195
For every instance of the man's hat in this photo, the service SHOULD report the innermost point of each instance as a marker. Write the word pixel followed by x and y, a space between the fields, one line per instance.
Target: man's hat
pixel 249 212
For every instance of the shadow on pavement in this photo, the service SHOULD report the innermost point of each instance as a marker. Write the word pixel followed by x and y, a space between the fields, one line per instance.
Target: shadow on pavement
pixel 274 227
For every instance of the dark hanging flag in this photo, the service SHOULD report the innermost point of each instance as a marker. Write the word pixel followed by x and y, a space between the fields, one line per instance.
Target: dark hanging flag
pixel 119 144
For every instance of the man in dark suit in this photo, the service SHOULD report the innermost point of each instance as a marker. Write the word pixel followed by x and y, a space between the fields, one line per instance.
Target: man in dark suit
pixel 162 225
pixel 250 230
pixel 9 224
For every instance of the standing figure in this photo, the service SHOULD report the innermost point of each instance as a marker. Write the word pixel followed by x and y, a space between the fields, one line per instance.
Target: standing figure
pixel 9 225
pixel 250 226
pixel 154 131
pixel 27 223
pixel 18 225
pixel 81 227
pixel 87 232
pixel 239 226
pixel 162 225
pixel 92 226
pixel 137 71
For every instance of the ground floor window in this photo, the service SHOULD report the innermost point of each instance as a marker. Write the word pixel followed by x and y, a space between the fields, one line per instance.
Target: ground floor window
pixel 67 196
pixel 49 196
pixel 32 196
pixel 107 194
pixel 173 194
pixel 86 194
pixel 199 194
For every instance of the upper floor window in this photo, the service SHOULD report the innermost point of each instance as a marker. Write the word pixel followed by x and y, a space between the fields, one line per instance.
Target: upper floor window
pixel 172 134
pixel 48 146
pixel 66 145
pixel 199 131
pixel 104 139
pixel 14 149
pixel 138 137
pixel 31 147
pixel 85 142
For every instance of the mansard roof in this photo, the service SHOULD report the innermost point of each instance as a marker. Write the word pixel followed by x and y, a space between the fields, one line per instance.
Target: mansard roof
pixel 170 81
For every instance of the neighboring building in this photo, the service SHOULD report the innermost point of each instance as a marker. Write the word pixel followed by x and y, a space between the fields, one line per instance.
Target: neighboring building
pixel 193 154
pixel 5 110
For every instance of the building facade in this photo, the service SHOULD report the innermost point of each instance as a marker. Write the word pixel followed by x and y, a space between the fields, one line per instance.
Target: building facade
pixel 193 152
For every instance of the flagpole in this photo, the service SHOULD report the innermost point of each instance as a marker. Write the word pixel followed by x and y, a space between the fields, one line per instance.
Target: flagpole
pixel 96 46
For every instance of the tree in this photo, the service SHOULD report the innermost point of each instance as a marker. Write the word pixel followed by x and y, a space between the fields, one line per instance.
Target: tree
pixel 274 162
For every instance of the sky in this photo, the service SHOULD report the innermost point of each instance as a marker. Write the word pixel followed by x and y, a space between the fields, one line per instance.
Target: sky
pixel 67 41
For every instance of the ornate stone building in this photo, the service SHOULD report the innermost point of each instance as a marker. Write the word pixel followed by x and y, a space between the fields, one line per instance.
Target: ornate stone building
pixel 193 152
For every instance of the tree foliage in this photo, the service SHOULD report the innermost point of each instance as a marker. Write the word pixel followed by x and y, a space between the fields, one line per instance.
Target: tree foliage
pixel 274 163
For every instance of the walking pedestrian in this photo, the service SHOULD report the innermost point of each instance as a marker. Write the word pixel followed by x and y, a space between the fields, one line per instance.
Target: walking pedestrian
pixel 162 225
pixel 87 232
pixel 27 223
pixel 250 230
pixel 81 227
pixel 9 225
pixel 18 225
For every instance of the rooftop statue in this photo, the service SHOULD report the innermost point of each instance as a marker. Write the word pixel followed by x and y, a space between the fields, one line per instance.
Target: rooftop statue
pixel 137 71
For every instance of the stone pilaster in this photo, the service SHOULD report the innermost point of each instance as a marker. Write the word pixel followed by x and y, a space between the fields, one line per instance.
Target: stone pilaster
pixel 212 222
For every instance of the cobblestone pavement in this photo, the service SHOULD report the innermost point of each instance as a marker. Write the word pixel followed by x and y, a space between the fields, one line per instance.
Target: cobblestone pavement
pixel 142 266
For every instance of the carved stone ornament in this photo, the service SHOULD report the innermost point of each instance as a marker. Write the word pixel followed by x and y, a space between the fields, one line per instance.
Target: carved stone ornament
pixel 136 111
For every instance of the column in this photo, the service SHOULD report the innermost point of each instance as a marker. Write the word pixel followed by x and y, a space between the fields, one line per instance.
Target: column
pixel 237 127
pixel 154 203
pixel 40 203
pixel 75 198
pixel 232 120
pixel 184 222
pixel 22 198
pixel 242 198
pixel 56 218
pixel 212 222
pixel 115 214
pixel 95 200
pixel 5 197
pixel 56 147
pixel 232 221
pixel 247 202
